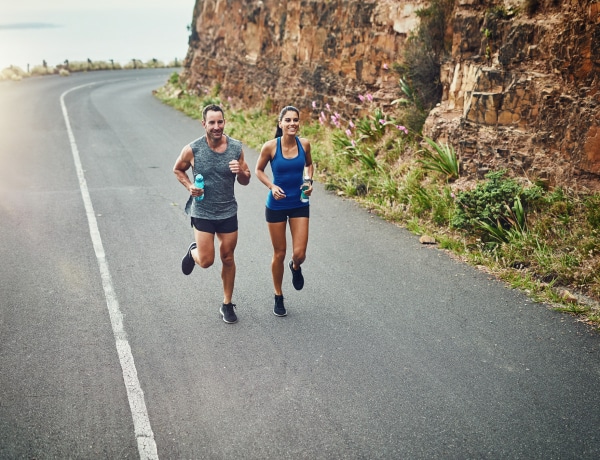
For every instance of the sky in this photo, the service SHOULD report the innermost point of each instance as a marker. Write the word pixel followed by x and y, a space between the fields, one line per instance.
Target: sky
pixel 55 30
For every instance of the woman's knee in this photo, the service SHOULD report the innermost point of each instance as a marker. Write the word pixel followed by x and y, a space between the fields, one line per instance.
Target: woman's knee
pixel 278 254
pixel 299 256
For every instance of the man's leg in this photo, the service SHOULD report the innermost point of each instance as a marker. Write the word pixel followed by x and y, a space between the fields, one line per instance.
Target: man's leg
pixel 227 244
pixel 204 253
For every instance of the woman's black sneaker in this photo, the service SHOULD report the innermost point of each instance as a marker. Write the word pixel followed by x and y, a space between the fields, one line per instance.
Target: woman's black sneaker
pixel 297 278
pixel 229 315
pixel 279 309
pixel 188 263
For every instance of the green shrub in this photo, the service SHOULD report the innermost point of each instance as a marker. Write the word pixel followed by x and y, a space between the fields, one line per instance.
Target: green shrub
pixel 491 201
pixel 442 206
pixel 592 206
pixel 560 205
pixel 512 227
pixel 365 128
pixel 340 141
pixel 440 158
pixel 364 155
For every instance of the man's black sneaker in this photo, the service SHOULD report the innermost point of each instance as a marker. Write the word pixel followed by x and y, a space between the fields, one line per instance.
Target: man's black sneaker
pixel 279 309
pixel 228 313
pixel 188 262
pixel 297 278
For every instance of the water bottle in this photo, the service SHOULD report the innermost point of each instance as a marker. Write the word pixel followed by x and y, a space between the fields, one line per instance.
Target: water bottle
pixel 199 183
pixel 305 186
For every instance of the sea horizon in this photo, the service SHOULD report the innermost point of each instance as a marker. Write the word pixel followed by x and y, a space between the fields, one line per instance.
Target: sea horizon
pixel 118 35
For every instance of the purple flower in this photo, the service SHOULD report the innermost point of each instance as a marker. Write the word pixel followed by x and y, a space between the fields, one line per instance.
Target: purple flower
pixel 328 108
pixel 385 66
pixel 382 121
pixel 361 97
pixel 351 124
pixel 370 97
pixel 353 143
pixel 348 133
pixel 314 104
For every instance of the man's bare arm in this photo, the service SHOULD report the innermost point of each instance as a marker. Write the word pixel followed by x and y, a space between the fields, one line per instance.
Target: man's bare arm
pixel 241 169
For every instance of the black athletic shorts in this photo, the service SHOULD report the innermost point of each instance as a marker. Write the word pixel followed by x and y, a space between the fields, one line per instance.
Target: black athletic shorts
pixel 228 225
pixel 282 215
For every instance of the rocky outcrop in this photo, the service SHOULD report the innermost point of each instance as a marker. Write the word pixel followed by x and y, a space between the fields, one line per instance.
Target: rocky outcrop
pixel 295 52
pixel 521 91
pixel 525 96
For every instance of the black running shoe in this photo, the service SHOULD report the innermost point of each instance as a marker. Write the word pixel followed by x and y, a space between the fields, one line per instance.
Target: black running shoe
pixel 297 278
pixel 279 309
pixel 228 314
pixel 188 263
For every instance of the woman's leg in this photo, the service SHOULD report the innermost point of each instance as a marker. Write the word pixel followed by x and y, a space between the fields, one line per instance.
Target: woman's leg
pixel 299 231
pixel 277 232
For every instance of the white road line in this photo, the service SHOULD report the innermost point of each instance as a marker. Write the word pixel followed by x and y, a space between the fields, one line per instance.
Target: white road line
pixel 135 395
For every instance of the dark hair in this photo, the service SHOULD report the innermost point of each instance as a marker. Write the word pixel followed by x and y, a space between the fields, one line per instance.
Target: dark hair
pixel 213 108
pixel 287 108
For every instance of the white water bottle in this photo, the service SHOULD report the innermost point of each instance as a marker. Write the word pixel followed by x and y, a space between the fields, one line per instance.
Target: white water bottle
pixel 305 186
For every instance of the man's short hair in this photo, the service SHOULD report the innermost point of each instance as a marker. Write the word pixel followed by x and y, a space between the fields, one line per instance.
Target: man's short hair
pixel 211 107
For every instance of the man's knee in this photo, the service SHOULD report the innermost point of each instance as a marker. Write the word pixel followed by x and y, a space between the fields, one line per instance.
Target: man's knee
pixel 206 262
pixel 226 253
pixel 227 259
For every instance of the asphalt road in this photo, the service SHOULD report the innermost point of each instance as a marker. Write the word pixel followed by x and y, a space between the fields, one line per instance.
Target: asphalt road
pixel 391 351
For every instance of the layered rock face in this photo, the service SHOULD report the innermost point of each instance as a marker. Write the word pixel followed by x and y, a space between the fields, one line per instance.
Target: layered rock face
pixel 296 52
pixel 520 92
pixel 523 92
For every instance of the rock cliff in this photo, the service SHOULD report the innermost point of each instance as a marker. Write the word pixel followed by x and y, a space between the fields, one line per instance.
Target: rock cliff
pixel 525 96
pixel 520 86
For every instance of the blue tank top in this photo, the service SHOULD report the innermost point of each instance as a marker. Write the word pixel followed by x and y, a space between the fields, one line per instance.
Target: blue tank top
pixel 287 175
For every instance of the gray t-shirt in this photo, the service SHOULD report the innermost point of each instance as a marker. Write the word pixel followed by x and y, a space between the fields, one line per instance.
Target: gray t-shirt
pixel 219 199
